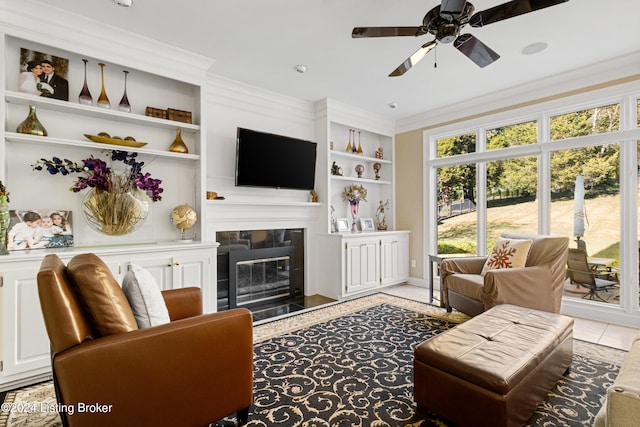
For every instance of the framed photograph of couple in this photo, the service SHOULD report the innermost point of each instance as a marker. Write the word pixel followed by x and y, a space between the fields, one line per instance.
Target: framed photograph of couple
pixel 42 74
pixel 39 229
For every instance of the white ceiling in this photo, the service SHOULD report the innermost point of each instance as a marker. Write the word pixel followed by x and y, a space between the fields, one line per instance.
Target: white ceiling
pixel 260 42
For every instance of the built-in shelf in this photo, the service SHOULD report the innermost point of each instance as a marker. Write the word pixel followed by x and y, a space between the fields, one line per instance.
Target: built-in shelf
pixel 35 139
pixel 346 155
pixel 96 112
pixel 356 179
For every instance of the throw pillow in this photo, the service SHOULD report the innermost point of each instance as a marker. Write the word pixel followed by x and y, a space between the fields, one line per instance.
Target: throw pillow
pixel 100 295
pixel 145 297
pixel 507 253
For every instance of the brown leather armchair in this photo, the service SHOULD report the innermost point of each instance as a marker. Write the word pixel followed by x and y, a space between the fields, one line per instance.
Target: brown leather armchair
pixel 538 285
pixel 190 372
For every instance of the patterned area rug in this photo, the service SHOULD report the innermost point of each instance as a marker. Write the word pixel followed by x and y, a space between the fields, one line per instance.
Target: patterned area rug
pixel 350 364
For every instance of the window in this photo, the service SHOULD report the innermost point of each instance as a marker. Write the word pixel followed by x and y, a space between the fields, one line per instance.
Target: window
pixel 526 183
pixel 456 145
pixel 512 135
pixel 512 203
pixel 585 206
pixel 457 221
pixel 586 122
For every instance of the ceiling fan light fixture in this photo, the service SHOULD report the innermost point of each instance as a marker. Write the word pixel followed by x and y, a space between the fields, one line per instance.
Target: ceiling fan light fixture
pixel 534 48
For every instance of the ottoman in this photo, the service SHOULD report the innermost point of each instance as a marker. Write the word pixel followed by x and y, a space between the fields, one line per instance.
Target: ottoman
pixel 494 369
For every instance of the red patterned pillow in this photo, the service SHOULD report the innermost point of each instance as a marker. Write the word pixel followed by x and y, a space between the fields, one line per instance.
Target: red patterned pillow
pixel 507 253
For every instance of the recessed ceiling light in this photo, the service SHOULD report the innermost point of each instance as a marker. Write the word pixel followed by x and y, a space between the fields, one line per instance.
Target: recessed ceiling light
pixel 393 105
pixel 534 48
pixel 301 68
pixel 123 3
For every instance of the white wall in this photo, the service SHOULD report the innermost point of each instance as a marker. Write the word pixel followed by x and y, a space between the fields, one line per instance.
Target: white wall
pixel 231 104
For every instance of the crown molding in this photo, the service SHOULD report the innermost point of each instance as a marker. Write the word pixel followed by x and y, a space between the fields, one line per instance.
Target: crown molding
pixel 586 79
pixel 79 34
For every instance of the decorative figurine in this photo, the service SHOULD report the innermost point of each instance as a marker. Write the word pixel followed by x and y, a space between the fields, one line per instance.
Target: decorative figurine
pixel 336 170
pixel 382 224
pixel 376 170
pixel 359 170
pixel 379 153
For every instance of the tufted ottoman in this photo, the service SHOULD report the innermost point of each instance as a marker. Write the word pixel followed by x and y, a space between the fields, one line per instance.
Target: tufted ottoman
pixel 494 369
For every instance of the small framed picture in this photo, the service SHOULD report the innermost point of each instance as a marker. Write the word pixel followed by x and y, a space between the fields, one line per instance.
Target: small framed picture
pixel 342 224
pixel 366 224
pixel 39 229
pixel 43 74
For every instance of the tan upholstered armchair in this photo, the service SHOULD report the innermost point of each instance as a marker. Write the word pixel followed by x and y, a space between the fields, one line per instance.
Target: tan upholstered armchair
pixel 537 285
pixel 192 371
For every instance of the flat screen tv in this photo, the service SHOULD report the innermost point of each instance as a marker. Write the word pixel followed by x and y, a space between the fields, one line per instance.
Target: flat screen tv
pixel 269 160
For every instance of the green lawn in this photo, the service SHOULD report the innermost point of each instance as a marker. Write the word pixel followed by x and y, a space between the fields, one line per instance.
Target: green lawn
pixel 602 233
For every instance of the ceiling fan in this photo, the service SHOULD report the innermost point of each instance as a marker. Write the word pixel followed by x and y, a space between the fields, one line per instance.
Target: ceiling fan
pixel 445 22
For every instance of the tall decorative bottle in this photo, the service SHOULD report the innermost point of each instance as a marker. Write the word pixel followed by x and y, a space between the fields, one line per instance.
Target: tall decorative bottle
pixel 354 149
pixel 85 96
pixel 103 99
pixel 124 102
pixel 349 144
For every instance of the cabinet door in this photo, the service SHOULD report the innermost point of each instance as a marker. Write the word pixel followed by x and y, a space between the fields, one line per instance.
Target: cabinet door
pixel 362 265
pixel 394 254
pixel 25 343
pixel 191 270
pixel 160 267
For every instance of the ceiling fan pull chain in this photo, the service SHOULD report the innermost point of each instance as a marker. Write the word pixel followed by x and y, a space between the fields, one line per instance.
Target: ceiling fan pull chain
pixel 435 58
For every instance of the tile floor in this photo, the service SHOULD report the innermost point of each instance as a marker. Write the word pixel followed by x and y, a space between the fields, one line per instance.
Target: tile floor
pixel 610 335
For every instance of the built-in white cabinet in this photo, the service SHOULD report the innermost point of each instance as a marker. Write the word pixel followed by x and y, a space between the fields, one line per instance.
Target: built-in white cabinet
pixel 394 258
pixel 177 271
pixel 357 262
pixel 24 347
pixel 362 261
pixel 157 76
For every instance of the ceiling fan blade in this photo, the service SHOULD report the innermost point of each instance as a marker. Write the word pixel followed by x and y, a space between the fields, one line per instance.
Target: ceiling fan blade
pixel 359 32
pixel 452 9
pixel 413 59
pixel 475 50
pixel 509 10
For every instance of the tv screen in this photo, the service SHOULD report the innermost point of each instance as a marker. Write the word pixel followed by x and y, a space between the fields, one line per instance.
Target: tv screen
pixel 268 160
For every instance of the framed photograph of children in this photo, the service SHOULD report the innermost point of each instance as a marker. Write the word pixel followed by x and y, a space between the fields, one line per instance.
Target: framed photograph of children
pixel 42 74
pixel 39 229
pixel 366 224
pixel 342 224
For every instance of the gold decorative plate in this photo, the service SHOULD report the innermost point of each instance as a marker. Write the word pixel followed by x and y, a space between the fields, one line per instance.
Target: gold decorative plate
pixel 104 140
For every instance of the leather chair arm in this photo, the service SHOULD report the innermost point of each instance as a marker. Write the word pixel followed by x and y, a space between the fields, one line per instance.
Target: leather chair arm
pixel 188 372
pixel 526 286
pixel 183 302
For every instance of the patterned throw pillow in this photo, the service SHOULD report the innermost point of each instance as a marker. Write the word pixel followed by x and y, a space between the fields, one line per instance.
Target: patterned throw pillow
pixel 507 253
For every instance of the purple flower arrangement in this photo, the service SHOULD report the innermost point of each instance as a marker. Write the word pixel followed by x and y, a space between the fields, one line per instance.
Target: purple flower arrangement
pixel 97 174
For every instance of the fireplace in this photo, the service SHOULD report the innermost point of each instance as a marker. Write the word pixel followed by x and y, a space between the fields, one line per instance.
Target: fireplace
pixel 259 266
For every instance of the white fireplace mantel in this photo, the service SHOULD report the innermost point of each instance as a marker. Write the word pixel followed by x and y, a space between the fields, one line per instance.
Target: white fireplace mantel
pixel 225 215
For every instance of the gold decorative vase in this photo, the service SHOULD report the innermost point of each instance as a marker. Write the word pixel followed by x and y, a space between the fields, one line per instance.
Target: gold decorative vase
pixel 31 125
pixel 178 145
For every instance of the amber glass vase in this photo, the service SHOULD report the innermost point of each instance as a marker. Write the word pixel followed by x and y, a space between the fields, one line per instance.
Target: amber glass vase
pixel 103 99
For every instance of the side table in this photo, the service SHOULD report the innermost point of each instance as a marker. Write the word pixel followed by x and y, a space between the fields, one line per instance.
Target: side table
pixel 437 259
